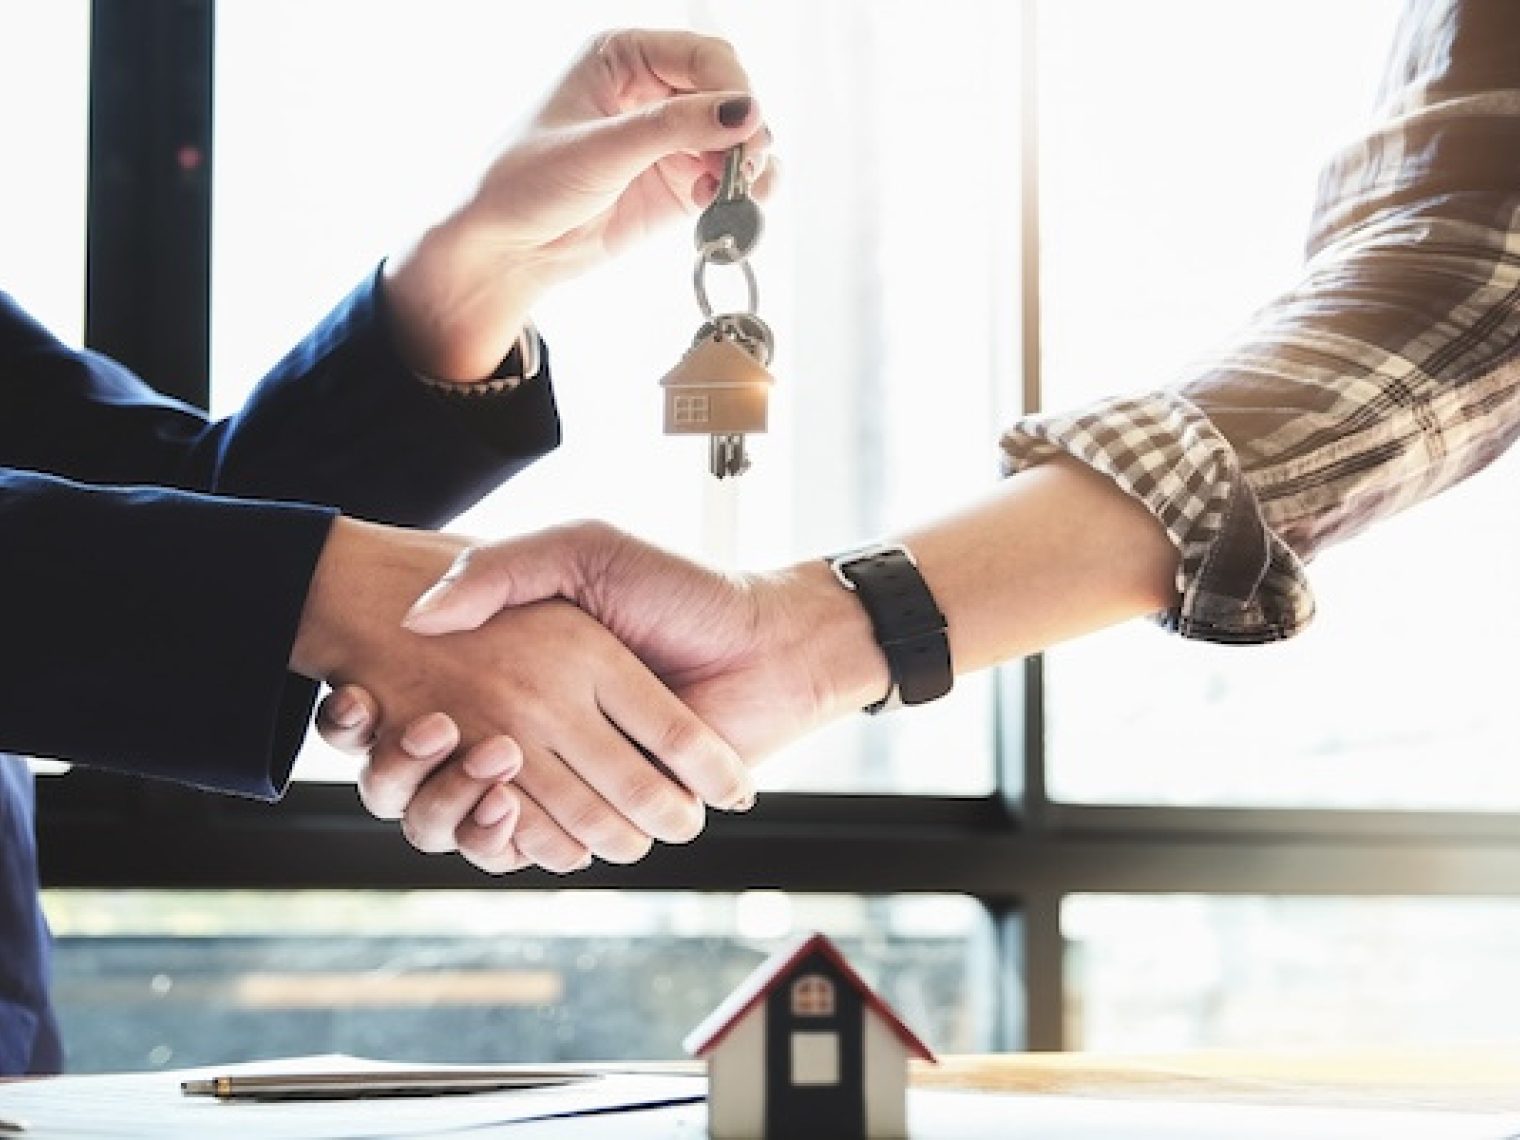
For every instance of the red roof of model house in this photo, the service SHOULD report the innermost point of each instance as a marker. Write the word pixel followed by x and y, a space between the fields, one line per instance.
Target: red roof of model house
pixel 754 989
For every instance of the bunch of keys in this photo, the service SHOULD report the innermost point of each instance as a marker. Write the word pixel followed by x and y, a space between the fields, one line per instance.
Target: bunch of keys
pixel 721 388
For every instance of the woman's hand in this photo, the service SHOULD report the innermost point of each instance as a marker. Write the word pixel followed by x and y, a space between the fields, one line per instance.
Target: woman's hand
pixel 633 136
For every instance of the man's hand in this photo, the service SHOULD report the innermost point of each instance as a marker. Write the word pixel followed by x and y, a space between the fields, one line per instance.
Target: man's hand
pixel 763 659
pixel 633 136
pixel 577 708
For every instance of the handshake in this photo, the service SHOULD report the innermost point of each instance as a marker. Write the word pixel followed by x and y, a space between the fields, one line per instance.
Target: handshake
pixel 571 694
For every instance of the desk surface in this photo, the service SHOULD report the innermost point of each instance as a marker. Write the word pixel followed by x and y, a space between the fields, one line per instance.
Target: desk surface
pixel 1448 1094
pixel 1465 1080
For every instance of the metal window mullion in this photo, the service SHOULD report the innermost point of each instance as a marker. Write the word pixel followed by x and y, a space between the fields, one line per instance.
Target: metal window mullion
pixel 1033 946
pixel 1032 777
pixel 148 237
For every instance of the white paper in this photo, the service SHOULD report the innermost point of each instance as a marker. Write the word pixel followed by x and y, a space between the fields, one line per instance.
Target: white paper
pixel 152 1105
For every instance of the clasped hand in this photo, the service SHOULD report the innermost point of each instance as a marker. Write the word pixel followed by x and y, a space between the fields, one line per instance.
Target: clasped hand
pixel 700 668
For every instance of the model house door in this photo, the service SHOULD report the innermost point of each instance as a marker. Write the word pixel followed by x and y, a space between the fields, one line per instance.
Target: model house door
pixel 814 1063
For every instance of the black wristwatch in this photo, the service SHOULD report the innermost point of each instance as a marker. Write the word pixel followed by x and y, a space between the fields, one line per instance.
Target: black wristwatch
pixel 907 622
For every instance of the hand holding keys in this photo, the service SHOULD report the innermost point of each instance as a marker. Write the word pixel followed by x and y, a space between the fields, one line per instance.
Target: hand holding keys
pixel 721 387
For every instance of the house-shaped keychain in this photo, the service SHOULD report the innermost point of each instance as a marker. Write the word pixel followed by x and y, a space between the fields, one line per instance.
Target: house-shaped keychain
pixel 805 1048
pixel 717 388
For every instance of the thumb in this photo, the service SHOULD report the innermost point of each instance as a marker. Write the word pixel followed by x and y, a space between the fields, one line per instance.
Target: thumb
pixel 484 580
pixel 682 123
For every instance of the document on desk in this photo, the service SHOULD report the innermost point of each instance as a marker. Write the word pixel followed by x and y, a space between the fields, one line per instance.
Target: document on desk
pixel 152 1104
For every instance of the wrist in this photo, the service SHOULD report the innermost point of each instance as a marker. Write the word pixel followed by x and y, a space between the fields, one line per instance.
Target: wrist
pixel 834 637
pixel 366 578
pixel 458 301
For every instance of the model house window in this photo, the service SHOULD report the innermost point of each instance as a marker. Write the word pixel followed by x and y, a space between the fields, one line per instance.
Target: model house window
pixel 815 1058
pixel 691 410
pixel 813 996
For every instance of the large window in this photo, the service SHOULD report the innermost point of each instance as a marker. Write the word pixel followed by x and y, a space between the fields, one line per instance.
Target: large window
pixel 44 52
pixel 158 979
pixel 1204 203
pixel 1132 842
pixel 1182 971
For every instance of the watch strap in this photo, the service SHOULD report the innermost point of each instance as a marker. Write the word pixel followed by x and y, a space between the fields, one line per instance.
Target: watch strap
pixel 907 622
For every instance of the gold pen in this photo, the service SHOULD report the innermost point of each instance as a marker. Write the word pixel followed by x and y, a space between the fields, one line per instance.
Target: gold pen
pixel 355 1085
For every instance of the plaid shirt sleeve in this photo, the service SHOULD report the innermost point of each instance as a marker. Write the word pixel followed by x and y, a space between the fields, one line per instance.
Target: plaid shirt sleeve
pixel 1389 373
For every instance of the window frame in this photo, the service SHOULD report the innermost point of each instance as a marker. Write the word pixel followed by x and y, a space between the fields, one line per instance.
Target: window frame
pixel 1014 851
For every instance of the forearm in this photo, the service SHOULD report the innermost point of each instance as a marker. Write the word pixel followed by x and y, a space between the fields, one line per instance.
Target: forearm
pixel 1053 553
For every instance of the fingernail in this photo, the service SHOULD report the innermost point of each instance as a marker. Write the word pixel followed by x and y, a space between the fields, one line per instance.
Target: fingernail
pixel 494 807
pixel 424 607
pixel 733 112
pixel 493 760
pixel 424 738
pixel 742 804
pixel 346 710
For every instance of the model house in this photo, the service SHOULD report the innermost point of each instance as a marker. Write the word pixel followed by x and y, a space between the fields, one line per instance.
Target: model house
pixel 805 1048
pixel 717 388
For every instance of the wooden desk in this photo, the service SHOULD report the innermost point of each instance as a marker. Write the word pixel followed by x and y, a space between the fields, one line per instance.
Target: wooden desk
pixel 1463 1080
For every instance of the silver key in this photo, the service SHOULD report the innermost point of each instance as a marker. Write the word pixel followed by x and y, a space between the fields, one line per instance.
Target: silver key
pixel 721 387
pixel 729 229
pixel 727 455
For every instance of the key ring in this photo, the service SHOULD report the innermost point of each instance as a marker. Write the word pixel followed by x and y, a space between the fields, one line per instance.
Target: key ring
pixel 699 279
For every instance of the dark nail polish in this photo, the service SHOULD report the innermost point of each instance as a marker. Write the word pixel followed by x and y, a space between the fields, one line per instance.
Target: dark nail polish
pixel 732 112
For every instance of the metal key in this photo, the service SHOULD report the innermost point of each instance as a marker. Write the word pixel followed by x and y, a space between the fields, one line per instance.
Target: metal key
pixel 729 229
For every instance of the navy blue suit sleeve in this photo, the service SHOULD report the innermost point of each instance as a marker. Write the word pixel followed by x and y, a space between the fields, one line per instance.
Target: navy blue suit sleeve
pixel 340 421
pixel 148 629
pixel 159 562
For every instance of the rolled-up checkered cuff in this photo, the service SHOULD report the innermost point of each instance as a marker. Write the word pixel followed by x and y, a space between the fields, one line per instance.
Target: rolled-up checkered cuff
pixel 1237 582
